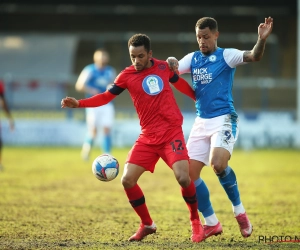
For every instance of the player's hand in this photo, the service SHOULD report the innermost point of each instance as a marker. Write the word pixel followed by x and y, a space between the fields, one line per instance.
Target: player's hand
pixel 265 29
pixel 69 102
pixel 173 64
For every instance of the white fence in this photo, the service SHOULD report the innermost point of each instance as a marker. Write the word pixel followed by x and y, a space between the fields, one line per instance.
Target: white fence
pixel 267 130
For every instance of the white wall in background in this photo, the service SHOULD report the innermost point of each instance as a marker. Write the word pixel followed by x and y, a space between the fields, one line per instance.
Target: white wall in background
pixel 265 131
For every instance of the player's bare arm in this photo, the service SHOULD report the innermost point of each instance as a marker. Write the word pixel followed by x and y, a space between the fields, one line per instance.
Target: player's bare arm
pixel 264 30
pixel 173 63
pixel 69 102
pixel 81 86
pixel 256 53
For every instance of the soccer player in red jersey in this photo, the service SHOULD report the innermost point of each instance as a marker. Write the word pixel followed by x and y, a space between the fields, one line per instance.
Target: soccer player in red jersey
pixel 9 116
pixel 148 82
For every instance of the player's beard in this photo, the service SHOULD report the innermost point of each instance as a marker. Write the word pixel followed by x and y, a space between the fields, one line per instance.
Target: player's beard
pixel 205 51
pixel 141 67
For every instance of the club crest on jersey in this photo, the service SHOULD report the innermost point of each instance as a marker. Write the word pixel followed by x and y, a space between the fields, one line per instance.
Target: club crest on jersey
pixel 161 66
pixel 153 84
pixel 212 58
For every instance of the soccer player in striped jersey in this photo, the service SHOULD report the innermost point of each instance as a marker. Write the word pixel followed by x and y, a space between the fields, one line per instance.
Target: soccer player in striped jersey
pixel 148 83
pixel 215 129
pixel 94 79
pixel 9 116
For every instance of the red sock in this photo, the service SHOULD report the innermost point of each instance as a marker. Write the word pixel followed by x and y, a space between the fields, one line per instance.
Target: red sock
pixel 189 195
pixel 137 200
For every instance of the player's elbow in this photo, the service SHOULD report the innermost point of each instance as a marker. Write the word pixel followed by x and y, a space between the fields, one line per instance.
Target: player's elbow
pixel 257 58
pixel 79 88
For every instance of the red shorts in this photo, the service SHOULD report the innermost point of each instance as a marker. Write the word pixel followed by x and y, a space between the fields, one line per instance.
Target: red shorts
pixel 145 153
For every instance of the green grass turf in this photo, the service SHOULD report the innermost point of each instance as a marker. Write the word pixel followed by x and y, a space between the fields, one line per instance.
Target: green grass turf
pixel 49 199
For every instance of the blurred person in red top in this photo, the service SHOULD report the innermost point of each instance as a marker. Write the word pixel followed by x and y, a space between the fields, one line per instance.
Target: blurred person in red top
pixel 4 105
pixel 148 83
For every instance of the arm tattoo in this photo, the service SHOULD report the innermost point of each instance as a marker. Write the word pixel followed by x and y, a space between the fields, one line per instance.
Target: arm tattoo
pixel 247 56
pixel 173 63
pixel 256 53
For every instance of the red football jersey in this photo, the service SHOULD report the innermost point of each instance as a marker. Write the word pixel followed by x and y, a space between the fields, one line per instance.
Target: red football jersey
pixel 152 96
pixel 1 88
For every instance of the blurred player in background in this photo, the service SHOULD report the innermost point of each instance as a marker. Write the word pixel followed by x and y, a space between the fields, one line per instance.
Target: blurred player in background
pixel 9 116
pixel 94 79
pixel 215 130
pixel 147 81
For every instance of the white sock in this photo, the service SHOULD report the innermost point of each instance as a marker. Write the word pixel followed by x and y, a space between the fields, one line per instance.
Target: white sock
pixel 86 147
pixel 151 226
pixel 239 209
pixel 211 220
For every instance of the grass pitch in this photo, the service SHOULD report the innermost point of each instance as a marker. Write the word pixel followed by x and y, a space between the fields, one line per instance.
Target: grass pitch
pixel 49 199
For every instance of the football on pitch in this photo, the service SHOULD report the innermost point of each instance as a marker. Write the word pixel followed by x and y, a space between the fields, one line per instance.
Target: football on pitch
pixel 105 167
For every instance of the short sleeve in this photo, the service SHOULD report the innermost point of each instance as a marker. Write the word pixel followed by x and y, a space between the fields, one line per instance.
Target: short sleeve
pixel 185 64
pixel 233 57
pixel 121 80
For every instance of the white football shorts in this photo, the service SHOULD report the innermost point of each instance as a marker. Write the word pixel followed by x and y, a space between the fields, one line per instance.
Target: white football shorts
pixel 206 134
pixel 102 116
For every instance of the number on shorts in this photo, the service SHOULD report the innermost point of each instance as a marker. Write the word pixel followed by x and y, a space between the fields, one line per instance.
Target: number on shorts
pixel 177 145
pixel 228 135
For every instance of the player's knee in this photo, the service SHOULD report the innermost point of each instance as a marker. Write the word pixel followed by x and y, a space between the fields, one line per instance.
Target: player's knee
pixel 106 130
pixel 127 182
pixel 218 166
pixel 184 181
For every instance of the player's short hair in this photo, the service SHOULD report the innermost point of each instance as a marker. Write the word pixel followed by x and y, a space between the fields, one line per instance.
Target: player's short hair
pixel 209 22
pixel 140 40
pixel 104 52
pixel 101 50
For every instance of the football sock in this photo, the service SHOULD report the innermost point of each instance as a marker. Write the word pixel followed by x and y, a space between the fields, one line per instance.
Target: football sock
pixel 107 143
pixel 239 209
pixel 137 200
pixel 204 204
pixel 211 220
pixel 86 147
pixel 151 226
pixel 88 143
pixel 189 195
pixel 228 180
